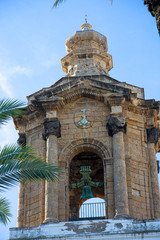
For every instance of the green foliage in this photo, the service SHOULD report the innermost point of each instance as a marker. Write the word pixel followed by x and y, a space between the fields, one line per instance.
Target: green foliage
pixel 57 2
pixel 4 210
pixel 9 108
pixel 19 163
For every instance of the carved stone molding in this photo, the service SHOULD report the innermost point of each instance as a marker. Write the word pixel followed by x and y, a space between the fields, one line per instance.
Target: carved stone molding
pixel 154 9
pixel 115 125
pixel 152 135
pixel 35 106
pixel 51 128
pixel 22 139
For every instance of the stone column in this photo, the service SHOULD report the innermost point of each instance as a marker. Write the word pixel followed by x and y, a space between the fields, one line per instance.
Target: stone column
pixel 20 219
pixel 116 129
pixel 152 137
pixel 51 132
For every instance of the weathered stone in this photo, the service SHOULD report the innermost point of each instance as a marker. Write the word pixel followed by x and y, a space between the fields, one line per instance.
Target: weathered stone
pixel 87 53
pixel 91 230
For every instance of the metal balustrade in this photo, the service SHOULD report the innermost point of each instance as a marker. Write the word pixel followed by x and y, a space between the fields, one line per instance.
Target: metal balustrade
pixel 87 211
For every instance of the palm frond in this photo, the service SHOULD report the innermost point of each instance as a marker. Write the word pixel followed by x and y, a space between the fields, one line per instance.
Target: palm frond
pixel 22 164
pixel 4 210
pixel 57 2
pixel 10 108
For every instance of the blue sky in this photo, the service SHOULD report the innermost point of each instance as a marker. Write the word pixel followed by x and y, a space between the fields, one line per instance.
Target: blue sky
pixel 32 37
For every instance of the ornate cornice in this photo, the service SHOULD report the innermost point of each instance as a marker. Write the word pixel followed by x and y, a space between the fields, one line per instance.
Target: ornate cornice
pixel 115 125
pixel 51 128
pixel 34 106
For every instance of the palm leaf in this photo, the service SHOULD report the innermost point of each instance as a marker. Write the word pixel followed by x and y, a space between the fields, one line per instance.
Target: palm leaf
pixel 57 2
pixel 4 210
pixel 19 163
pixel 22 164
pixel 10 108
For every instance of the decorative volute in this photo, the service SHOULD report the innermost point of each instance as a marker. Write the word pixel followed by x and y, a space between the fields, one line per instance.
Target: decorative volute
pixel 86 53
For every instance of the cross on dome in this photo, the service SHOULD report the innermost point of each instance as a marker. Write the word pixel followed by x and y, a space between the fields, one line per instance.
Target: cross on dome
pixel 86 18
pixel 86 25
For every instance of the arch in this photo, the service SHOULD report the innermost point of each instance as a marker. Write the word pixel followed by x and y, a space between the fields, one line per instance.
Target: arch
pixel 72 149
pixel 83 145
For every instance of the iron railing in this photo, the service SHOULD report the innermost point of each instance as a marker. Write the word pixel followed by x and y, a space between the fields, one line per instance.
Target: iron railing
pixel 87 211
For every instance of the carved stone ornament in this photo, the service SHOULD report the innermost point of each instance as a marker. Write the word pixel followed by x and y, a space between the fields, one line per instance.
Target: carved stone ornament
pixel 22 139
pixel 115 125
pixel 83 118
pixel 152 135
pixel 51 128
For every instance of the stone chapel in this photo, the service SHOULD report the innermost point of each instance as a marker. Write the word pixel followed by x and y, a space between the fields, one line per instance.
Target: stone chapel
pixel 103 134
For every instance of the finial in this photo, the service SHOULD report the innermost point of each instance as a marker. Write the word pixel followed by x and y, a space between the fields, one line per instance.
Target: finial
pixel 86 18
pixel 86 25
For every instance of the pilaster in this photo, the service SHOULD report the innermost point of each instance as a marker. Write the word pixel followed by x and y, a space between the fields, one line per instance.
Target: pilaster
pixel 22 142
pixel 152 138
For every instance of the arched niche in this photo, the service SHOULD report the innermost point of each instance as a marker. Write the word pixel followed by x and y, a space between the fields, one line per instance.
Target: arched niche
pixel 68 157
pixel 94 161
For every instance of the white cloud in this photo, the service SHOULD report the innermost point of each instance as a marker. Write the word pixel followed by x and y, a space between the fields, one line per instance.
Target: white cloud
pixel 8 134
pixel 4 85
pixel 6 74
pixel 19 70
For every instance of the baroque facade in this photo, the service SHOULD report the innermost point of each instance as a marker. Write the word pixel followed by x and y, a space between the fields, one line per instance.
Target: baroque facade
pixel 89 119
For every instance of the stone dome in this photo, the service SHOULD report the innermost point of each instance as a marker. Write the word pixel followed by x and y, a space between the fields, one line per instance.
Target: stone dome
pixel 86 53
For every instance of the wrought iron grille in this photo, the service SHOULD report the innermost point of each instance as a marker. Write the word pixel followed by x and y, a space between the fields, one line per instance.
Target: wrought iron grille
pixel 87 211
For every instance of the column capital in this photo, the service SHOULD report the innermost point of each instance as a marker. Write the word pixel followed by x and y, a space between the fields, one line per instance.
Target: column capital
pixel 51 128
pixel 22 139
pixel 152 135
pixel 115 125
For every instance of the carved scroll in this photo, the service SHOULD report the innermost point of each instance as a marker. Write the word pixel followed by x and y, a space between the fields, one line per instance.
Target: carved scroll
pixel 51 128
